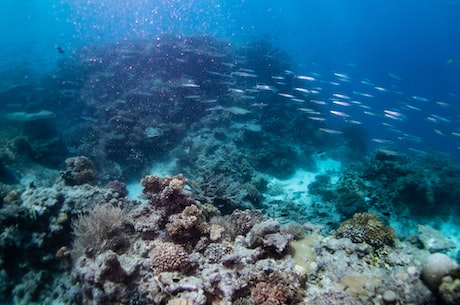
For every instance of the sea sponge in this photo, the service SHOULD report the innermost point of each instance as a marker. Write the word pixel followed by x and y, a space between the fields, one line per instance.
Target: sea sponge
pixel 436 266
pixel 366 227
pixel 167 256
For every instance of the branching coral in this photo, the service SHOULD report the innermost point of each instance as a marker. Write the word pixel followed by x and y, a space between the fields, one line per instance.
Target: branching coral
pixel 218 190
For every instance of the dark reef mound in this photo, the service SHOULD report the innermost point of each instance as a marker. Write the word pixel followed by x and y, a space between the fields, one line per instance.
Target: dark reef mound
pixel 127 104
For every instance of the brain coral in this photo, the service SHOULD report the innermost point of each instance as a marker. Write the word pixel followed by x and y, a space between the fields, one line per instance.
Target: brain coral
pixel 366 227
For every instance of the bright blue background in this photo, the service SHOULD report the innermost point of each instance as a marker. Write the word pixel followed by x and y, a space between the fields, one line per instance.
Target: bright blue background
pixel 413 39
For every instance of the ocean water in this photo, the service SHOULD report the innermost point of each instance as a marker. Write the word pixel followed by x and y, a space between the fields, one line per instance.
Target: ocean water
pixel 408 50
pixel 275 96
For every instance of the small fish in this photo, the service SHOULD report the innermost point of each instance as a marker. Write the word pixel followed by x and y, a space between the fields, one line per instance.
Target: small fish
pixel 362 94
pixel 236 90
pixel 318 102
pixel 395 76
pixel 411 107
pixel 440 132
pixel 59 49
pixel 315 118
pixel 453 60
pixel 244 74
pixel 419 98
pixel 367 82
pixel 443 104
pixel 190 85
pixel 411 138
pixel 354 122
pixel 305 77
pixel 394 114
pixel 370 113
pixel 339 113
pixel 259 105
pixel 307 110
pixel 342 96
pixel 340 103
pixel 341 75
pixel 390 152
pixel 302 90
pixel 209 101
pixel 192 97
pixel 287 95
pixel 381 89
pixel 382 141
pixel 266 88
pixel 330 131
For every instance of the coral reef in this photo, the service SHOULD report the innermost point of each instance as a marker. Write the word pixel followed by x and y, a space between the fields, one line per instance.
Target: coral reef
pixel 388 185
pixel 167 256
pixel 366 227
pixel 39 219
pixel 169 192
pixel 79 170
pixel 228 118
pixel 192 259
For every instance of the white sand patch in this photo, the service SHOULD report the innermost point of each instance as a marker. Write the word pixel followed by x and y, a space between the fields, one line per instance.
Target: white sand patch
pixel 451 231
pixel 164 168
pixel 135 191
pixel 296 187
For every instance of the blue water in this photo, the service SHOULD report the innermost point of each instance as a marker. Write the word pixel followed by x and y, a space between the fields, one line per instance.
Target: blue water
pixel 413 41
pixel 389 68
